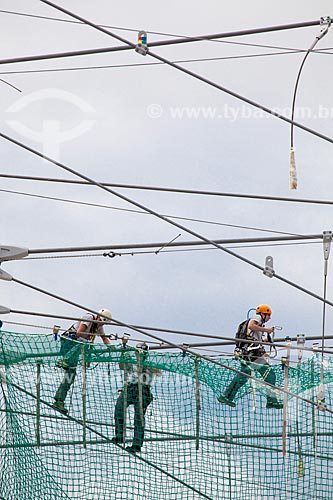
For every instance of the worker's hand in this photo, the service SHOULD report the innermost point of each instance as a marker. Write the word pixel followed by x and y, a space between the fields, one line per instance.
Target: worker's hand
pixel 270 330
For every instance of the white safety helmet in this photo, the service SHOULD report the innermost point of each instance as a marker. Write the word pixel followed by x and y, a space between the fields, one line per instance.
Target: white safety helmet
pixel 106 313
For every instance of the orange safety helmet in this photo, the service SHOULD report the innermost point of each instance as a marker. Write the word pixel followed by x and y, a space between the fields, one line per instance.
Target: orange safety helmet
pixel 263 309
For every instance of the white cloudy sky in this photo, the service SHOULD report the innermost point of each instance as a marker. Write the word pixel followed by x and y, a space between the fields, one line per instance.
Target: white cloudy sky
pixel 207 291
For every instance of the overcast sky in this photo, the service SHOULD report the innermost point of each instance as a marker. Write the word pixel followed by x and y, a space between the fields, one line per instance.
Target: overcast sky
pixel 121 125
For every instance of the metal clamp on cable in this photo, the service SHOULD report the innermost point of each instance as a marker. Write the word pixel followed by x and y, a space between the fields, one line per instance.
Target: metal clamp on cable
pixel 322 406
pixel 142 47
pixel 125 339
pixel 269 271
pixel 184 348
pixel 326 21
pixel 300 345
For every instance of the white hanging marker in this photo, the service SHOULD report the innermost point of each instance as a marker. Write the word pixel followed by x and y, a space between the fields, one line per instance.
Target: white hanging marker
pixel 12 253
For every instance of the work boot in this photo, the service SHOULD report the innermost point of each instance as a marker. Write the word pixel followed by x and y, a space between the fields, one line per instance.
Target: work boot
pixel 60 406
pixel 274 404
pixel 226 401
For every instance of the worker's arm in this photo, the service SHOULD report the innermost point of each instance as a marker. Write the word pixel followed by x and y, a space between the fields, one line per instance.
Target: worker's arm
pixel 81 330
pixel 106 340
pixel 253 325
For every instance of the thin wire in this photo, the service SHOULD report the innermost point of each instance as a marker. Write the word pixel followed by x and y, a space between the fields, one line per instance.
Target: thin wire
pixel 10 85
pixel 171 190
pixel 98 205
pixel 135 65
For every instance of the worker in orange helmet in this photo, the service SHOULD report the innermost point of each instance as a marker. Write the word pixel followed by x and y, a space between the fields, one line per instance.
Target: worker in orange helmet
pixel 253 357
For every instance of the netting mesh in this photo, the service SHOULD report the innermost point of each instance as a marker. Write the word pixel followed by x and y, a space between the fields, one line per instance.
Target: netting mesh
pixel 194 447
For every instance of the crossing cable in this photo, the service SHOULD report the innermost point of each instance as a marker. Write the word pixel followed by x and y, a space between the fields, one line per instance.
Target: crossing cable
pixel 165 219
pixel 172 344
pixel 170 189
pixel 191 73
pixel 98 205
pixel 136 30
pixel 174 41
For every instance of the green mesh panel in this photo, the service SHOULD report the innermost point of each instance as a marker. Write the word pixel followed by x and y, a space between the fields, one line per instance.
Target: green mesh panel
pixel 194 447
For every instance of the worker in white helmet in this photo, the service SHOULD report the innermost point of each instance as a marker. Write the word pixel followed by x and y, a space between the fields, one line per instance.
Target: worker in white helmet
pixel 82 331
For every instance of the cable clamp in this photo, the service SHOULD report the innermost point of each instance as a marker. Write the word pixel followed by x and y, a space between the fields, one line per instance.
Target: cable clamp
pixel 125 339
pixel 4 310
pixel 12 253
pixel 142 47
pixel 327 240
pixel 315 347
pixel 185 348
pixel 325 20
pixel 269 271
pixel 322 406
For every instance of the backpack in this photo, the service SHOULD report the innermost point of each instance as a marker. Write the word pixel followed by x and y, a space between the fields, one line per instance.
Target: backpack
pixel 241 334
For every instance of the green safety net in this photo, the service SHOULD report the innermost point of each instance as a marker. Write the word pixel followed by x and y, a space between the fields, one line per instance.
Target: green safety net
pixel 194 447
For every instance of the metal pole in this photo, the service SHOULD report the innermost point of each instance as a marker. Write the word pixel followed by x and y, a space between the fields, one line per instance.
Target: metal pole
pixel 84 398
pixel 285 399
pixel 38 401
pixel 198 404
pixel 139 367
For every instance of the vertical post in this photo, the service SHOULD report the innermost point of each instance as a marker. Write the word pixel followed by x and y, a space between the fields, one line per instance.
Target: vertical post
pixel 285 399
pixel 125 402
pixel 38 380
pixel 228 441
pixel 138 357
pixel 314 424
pixel 197 403
pixel 84 397
pixel 327 239
pixel 300 465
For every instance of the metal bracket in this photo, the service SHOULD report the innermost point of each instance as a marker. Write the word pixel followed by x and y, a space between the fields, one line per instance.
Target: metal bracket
pixel 269 271
pixel 300 339
pixel 142 47
pixel 327 240
pixel 12 253
pixel 4 310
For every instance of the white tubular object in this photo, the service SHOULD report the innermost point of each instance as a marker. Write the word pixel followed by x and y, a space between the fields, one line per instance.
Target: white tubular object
pixel 292 170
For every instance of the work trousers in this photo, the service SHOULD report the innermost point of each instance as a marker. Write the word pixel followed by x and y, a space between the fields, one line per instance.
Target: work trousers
pixel 260 365
pixel 130 396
